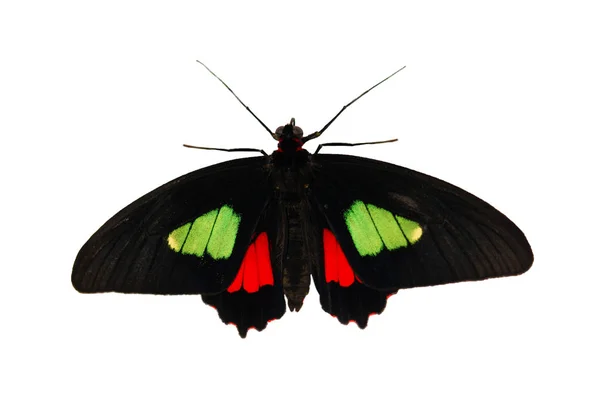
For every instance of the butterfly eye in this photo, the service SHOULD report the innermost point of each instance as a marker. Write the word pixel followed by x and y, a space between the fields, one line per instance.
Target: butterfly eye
pixel 279 131
pixel 298 133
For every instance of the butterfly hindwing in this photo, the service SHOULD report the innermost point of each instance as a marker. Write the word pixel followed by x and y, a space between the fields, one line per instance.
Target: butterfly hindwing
pixel 255 296
pixel 399 228
pixel 342 293
pixel 189 236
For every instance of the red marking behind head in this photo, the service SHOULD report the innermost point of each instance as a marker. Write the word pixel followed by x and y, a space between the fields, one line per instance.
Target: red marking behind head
pixel 337 268
pixel 255 270
pixel 298 141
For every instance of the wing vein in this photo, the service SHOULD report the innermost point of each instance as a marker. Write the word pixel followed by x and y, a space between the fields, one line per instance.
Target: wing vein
pixel 442 254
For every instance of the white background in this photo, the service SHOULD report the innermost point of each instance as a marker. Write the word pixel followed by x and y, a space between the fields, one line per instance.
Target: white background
pixel 500 98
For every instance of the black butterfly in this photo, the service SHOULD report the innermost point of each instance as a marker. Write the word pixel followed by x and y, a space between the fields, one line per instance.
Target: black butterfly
pixel 247 232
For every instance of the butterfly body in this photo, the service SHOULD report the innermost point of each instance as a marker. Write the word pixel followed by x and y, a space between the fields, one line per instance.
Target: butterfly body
pixel 250 233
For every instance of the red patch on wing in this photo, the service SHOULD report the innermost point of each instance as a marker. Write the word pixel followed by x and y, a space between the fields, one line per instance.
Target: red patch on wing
pixel 255 270
pixel 337 268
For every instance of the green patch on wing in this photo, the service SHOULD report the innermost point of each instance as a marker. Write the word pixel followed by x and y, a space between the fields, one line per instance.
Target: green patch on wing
pixel 213 233
pixel 372 229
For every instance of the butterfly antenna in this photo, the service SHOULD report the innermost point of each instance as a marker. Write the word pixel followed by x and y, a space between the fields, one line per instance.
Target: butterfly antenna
pixel 239 100
pixel 322 130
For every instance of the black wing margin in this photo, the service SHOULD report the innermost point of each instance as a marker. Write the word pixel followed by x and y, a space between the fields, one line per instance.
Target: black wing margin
pixel 130 252
pixel 463 238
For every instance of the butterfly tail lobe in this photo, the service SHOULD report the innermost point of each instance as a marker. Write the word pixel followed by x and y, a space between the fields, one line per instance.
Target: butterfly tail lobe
pixel 248 310
pixel 355 303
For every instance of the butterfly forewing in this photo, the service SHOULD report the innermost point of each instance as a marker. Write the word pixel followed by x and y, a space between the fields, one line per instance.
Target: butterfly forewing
pixel 189 236
pixel 399 228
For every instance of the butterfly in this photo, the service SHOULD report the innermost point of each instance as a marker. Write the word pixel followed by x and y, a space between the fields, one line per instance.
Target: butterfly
pixel 250 233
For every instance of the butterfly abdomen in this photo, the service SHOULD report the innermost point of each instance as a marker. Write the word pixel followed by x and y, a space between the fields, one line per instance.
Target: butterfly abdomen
pixel 296 268
pixel 290 183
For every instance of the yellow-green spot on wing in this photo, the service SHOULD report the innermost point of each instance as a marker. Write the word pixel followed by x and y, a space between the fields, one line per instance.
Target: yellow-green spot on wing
pixel 214 232
pixel 362 230
pixel 199 234
pixel 388 228
pixel 177 237
pixel 411 229
pixel 373 228
pixel 224 233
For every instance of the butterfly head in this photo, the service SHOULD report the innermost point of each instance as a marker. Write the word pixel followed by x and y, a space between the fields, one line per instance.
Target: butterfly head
pixel 289 137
